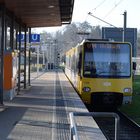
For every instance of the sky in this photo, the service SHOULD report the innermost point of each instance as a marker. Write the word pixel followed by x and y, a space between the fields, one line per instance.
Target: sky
pixel 110 11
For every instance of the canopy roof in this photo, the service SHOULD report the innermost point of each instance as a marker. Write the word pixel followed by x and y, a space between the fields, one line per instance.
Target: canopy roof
pixel 41 13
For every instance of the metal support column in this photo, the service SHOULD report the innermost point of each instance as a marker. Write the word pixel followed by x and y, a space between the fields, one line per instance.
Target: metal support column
pixel 124 26
pixel 38 53
pixel 12 34
pixel 25 46
pixel 19 58
pixel 2 53
pixel 16 47
pixel 29 70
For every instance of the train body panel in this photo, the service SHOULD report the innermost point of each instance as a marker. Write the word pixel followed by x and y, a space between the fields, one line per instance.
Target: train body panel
pixel 101 86
pixel 107 87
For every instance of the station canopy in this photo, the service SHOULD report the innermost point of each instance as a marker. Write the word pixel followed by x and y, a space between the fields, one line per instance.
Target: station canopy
pixel 41 13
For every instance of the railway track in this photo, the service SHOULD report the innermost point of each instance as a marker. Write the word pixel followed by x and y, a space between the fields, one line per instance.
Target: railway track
pixel 128 130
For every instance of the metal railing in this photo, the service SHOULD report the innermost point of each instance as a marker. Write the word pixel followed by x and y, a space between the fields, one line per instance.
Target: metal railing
pixel 73 129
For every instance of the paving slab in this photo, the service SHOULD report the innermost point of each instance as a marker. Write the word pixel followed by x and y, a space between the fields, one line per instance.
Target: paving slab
pixel 42 112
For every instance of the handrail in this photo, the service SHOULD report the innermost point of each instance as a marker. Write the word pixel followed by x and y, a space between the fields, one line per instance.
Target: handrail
pixel 73 129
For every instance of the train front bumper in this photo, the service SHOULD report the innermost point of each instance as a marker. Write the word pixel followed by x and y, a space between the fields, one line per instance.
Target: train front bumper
pixel 106 98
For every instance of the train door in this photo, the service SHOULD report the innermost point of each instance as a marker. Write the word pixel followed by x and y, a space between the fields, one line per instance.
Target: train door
pixel 79 83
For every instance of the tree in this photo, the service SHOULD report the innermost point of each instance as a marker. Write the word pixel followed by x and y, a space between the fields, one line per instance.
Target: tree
pixel 73 34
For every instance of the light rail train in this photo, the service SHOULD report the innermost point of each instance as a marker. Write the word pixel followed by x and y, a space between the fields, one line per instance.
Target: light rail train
pixel 101 72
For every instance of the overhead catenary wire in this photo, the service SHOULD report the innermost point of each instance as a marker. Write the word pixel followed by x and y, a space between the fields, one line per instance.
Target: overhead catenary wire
pixel 115 6
pixel 100 4
pixel 103 20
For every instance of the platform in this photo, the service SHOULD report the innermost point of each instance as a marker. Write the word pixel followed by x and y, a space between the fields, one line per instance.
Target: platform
pixel 42 112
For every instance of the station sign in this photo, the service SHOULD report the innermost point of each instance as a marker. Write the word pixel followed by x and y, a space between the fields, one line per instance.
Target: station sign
pixel 20 37
pixel 33 38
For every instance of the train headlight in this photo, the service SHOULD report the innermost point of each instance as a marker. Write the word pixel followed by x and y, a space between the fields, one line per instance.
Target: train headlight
pixel 127 90
pixel 86 89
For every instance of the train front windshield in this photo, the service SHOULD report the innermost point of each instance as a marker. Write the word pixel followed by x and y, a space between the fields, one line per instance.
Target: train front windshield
pixel 107 60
